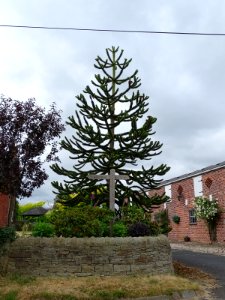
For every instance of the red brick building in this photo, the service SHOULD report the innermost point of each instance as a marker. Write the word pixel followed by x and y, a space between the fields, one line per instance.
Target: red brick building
pixel 4 209
pixel 182 190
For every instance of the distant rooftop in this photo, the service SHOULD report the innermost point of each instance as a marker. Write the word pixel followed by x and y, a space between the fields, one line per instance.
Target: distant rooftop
pixel 37 211
pixel 193 174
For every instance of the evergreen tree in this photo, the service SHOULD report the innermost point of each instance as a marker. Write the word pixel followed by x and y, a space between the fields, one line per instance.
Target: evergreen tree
pixel 110 134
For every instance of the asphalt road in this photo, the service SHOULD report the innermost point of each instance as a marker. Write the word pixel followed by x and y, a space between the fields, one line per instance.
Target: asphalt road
pixel 212 264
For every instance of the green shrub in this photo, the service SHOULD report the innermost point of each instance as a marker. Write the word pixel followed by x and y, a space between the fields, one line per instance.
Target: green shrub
pixel 154 229
pixel 163 221
pixel 82 221
pixel 133 214
pixel 88 221
pixel 7 234
pixel 95 228
pixel 119 229
pixel 43 230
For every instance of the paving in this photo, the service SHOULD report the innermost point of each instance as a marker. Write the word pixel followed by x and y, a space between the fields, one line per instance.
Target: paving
pixel 215 248
pixel 208 257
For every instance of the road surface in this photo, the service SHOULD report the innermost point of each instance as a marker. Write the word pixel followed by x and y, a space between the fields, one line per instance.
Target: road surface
pixel 209 263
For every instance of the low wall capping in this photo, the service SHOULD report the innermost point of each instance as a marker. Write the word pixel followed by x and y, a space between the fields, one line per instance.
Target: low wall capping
pixel 90 256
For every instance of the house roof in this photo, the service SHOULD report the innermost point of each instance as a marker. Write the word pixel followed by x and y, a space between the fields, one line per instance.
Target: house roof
pixel 193 174
pixel 37 211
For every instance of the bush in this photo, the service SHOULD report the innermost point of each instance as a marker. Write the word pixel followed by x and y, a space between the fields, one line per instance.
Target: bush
pixel 88 221
pixel 162 219
pixel 7 234
pixel 139 229
pixel 43 230
pixel 119 229
pixel 133 214
pixel 82 221
pixel 154 228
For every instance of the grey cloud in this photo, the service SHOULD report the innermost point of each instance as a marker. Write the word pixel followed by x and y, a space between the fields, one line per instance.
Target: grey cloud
pixel 183 75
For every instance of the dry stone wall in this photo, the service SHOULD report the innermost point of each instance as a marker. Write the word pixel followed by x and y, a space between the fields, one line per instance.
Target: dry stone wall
pixel 90 256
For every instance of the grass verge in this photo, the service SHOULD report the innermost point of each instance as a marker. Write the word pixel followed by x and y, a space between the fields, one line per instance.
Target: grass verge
pixel 96 288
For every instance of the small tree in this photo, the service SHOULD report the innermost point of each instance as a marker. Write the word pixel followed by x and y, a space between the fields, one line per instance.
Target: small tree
pixel 111 132
pixel 26 131
pixel 208 210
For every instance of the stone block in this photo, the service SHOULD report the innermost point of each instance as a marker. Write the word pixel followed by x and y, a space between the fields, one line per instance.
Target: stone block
pixel 121 269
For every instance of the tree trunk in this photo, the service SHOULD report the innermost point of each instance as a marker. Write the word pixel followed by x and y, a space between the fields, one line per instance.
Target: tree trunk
pixel 212 230
pixel 12 207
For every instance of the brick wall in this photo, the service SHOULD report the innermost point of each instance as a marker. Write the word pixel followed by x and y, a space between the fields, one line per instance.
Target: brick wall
pixel 90 256
pixel 182 200
pixel 4 209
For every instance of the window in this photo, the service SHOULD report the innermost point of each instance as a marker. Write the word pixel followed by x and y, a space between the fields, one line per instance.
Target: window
pixel 192 217
pixel 198 186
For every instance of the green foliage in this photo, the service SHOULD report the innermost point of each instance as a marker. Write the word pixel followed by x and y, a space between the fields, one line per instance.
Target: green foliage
pixel 134 214
pixel 87 221
pixel 11 295
pixel 119 229
pixel 22 221
pixel 42 229
pixel 176 219
pixel 28 206
pixel 111 101
pixel 206 209
pixel 82 221
pixel 7 234
pixel 162 219
pixel 154 229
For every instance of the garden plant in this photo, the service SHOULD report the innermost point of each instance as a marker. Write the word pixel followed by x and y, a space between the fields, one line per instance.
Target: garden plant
pixel 208 210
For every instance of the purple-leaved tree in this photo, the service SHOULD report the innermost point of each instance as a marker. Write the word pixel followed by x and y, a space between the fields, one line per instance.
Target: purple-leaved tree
pixel 28 139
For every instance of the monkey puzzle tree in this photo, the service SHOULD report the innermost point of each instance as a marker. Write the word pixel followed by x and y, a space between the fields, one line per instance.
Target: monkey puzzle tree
pixel 110 133
pixel 26 130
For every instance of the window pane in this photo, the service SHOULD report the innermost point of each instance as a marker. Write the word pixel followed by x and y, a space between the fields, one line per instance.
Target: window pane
pixel 192 216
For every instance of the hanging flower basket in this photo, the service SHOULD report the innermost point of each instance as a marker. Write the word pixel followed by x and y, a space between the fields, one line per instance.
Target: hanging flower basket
pixel 176 219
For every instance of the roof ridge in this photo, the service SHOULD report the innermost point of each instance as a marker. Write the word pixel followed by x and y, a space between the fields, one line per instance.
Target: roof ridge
pixel 191 174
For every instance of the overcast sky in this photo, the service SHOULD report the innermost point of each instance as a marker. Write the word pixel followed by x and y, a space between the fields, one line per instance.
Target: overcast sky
pixel 183 75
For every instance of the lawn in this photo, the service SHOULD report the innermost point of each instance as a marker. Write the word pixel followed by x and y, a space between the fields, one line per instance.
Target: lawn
pixel 104 287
